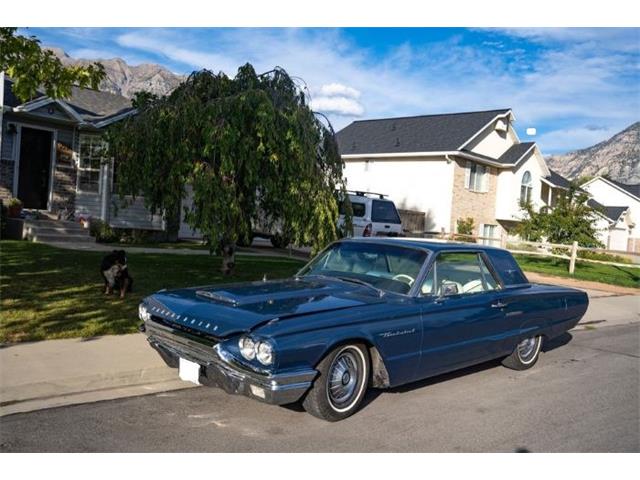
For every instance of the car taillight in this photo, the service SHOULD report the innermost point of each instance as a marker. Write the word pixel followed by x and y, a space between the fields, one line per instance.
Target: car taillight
pixel 367 230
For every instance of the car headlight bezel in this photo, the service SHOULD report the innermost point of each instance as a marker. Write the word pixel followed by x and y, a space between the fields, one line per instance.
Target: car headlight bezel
pixel 264 353
pixel 143 312
pixel 253 349
pixel 247 348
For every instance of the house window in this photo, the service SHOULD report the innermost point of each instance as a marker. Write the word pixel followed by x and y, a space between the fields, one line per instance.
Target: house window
pixel 93 151
pixel 476 177
pixel 488 233
pixel 526 187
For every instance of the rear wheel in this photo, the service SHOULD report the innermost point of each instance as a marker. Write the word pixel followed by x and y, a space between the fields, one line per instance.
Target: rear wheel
pixel 525 355
pixel 341 385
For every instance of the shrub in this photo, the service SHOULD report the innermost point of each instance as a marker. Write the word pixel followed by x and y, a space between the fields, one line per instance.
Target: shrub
pixel 102 231
pixel 465 226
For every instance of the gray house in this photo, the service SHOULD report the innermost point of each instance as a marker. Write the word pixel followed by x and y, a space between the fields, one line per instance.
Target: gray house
pixel 53 156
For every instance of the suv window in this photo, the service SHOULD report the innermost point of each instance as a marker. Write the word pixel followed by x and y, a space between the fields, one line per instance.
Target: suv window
pixel 357 208
pixel 462 273
pixel 384 212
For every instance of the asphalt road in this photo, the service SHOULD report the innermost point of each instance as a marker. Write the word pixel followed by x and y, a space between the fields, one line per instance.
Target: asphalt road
pixel 583 395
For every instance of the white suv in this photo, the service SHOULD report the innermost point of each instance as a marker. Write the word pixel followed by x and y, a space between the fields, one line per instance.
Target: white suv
pixel 373 215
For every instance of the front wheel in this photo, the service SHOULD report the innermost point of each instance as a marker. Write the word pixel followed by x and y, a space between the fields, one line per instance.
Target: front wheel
pixel 525 355
pixel 341 385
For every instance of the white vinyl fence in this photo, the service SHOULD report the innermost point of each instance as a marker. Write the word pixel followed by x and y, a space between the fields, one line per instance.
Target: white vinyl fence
pixel 568 252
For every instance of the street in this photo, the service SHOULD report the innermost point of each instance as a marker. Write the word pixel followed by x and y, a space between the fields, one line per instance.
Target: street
pixel 582 396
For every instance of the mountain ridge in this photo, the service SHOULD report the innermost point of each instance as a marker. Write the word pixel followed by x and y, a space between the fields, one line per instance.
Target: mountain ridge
pixel 126 80
pixel 617 157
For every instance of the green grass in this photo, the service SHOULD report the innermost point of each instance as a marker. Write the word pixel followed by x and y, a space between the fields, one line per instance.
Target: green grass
pixel 46 292
pixel 596 272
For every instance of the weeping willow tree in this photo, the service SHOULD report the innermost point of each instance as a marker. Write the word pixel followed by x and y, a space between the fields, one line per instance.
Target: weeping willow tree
pixel 249 147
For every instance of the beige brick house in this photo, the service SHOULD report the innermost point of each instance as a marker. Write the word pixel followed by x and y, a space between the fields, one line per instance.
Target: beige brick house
pixel 450 166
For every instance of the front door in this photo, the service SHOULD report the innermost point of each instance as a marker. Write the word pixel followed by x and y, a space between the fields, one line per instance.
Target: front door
pixel 34 168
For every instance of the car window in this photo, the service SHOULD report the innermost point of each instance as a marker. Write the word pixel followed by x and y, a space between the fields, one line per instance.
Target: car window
pixel 461 273
pixel 387 267
pixel 384 212
pixel 358 208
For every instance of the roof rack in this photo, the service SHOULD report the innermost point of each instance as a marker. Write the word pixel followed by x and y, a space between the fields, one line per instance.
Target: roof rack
pixel 362 193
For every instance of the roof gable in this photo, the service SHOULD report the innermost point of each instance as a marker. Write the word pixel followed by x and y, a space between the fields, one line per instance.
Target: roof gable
pixel 633 190
pixel 420 134
pixel 83 106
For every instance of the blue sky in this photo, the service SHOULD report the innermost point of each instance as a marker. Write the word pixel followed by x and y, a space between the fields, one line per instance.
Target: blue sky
pixel 576 86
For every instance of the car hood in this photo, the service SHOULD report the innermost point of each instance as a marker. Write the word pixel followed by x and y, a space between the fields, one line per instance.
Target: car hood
pixel 224 310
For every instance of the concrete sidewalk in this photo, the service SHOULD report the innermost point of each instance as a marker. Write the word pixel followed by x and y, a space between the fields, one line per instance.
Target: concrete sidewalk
pixel 62 372
pixel 52 373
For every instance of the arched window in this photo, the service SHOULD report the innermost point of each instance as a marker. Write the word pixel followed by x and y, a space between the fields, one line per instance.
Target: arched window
pixel 526 187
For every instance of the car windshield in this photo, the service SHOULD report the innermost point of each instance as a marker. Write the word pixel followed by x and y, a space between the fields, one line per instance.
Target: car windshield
pixel 386 267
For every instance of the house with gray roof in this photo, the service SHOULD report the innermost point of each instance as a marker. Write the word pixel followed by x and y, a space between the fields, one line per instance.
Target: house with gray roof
pixel 52 156
pixel 618 206
pixel 451 167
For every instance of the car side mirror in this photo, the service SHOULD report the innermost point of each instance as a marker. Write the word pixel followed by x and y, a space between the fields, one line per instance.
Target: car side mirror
pixel 448 289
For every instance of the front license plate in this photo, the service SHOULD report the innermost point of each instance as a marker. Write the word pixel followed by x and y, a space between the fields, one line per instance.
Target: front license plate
pixel 189 371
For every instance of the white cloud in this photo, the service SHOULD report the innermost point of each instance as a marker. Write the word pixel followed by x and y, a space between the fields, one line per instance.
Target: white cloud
pixel 337 106
pixel 571 79
pixel 337 89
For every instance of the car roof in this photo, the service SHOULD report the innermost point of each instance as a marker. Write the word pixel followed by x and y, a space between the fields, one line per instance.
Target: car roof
pixel 432 245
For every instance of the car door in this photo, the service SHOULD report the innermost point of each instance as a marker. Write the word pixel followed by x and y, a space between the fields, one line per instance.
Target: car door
pixel 359 219
pixel 463 315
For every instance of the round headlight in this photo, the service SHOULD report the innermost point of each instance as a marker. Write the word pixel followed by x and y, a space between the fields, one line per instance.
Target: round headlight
pixel 264 353
pixel 247 348
pixel 143 313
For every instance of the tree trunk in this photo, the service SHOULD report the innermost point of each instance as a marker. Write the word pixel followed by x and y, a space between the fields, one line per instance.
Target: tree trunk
pixel 228 257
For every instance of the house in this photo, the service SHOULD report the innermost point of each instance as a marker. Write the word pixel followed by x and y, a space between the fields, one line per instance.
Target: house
pixel 451 166
pixel 618 205
pixel 52 156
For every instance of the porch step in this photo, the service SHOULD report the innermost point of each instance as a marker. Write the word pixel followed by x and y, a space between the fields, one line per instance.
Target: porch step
pixel 50 230
pixel 61 237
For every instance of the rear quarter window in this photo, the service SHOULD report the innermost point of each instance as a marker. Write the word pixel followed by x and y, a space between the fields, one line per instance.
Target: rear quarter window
pixel 384 212
pixel 357 208
pixel 507 267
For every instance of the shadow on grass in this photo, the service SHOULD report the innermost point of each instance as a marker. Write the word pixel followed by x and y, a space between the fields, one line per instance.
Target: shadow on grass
pixel 47 292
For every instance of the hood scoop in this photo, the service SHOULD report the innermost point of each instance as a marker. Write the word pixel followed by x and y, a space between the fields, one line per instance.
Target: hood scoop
pixel 217 297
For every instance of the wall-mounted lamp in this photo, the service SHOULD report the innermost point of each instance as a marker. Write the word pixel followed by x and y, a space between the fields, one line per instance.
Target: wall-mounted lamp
pixel 12 129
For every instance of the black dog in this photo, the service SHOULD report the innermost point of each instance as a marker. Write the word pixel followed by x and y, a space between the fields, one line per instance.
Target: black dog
pixel 115 272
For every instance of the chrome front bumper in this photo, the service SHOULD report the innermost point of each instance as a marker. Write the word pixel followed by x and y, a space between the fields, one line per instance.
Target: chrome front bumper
pixel 222 370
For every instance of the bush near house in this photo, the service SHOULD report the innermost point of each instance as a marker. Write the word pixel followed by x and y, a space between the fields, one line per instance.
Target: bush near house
pixel 465 226
pixel 47 292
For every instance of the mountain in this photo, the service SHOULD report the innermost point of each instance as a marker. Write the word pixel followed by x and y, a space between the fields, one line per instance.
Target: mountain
pixel 125 79
pixel 618 158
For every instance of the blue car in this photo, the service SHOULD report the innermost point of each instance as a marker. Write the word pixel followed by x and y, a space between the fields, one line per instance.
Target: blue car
pixel 363 313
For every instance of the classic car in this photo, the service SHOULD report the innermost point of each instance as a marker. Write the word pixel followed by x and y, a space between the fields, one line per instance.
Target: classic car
pixel 363 313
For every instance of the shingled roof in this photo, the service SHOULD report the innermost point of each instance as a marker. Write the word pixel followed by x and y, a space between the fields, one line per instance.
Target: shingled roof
pixel 424 133
pixel 558 180
pixel 612 213
pixel 90 105
pixel 633 189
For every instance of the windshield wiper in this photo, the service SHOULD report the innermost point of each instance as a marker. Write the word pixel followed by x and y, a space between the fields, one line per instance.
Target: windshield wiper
pixel 379 291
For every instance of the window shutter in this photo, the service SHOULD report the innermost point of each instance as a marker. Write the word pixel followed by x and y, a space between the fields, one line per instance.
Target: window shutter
pixel 467 175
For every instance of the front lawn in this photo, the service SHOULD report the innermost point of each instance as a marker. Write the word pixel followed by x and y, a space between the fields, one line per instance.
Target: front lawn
pixel 595 272
pixel 46 292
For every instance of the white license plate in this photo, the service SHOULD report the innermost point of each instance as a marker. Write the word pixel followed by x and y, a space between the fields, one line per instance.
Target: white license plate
pixel 189 371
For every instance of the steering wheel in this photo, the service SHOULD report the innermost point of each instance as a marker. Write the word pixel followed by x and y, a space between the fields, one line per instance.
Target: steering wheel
pixel 405 278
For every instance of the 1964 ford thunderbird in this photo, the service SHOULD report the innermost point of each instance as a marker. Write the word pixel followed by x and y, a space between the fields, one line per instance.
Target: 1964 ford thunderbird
pixel 364 313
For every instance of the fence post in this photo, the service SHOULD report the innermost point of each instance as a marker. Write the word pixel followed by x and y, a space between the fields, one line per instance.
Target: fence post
pixel 574 254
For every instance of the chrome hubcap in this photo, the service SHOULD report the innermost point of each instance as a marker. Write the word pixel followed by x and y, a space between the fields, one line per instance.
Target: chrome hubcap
pixel 343 379
pixel 527 348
